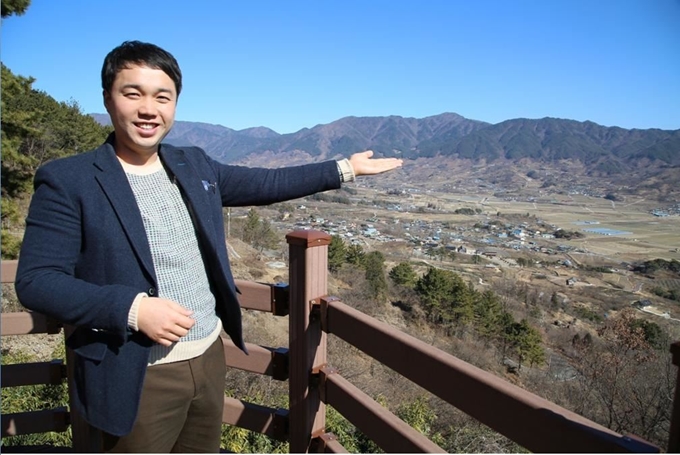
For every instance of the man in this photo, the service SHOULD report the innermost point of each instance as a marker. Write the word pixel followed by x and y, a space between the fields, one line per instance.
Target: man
pixel 127 244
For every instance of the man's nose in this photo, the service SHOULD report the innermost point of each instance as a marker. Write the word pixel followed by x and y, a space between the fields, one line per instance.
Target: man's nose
pixel 147 106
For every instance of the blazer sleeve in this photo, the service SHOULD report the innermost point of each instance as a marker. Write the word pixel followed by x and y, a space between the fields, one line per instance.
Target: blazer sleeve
pixel 46 279
pixel 244 186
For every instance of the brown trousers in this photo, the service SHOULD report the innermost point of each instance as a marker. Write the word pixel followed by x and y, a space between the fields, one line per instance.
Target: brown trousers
pixel 180 409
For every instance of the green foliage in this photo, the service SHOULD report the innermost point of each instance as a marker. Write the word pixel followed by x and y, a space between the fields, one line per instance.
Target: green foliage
pixel 11 244
pixel 658 264
pixel 568 235
pixel 258 232
pixel 597 268
pixel 446 297
pixel 524 262
pixel 374 263
pixel 403 274
pixel 526 341
pixel 489 315
pixel 420 416
pixel 251 226
pixel 239 440
pixel 336 253
pixel 652 333
pixel 17 7
pixel 35 129
pixel 670 294
pixel 464 211
pixel 587 313
pixel 326 197
pixel 342 429
pixel 464 299
pixel 11 214
pixel 355 254
pixel 34 398
pixel 349 436
pixel 417 413
pixel 441 253
pixel 434 290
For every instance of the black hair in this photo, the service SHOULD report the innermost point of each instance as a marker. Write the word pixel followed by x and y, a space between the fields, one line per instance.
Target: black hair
pixel 139 53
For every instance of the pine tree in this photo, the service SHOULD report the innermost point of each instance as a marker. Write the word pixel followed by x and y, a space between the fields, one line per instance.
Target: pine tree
pixel 337 253
pixel 17 7
pixel 258 232
pixel 488 312
pixel 527 343
pixel 434 289
pixel 403 275
pixel 251 227
pixel 374 262
pixel 355 254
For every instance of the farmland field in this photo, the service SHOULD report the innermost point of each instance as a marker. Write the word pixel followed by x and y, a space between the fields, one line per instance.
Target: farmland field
pixel 648 236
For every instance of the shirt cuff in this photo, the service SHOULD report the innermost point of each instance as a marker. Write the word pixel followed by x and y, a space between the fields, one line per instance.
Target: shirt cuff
pixel 346 171
pixel 134 310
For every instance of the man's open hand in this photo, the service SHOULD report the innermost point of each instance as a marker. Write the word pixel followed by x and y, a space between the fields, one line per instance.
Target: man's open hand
pixel 363 164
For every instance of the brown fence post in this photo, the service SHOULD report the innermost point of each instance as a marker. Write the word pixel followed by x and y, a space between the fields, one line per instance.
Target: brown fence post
pixel 674 437
pixel 308 279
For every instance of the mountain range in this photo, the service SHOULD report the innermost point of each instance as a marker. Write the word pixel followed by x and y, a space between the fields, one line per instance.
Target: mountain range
pixel 600 149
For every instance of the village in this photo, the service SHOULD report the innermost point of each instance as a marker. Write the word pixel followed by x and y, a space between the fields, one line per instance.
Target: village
pixel 470 235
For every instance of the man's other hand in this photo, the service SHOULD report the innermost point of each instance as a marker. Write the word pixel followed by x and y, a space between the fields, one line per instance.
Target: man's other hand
pixel 163 320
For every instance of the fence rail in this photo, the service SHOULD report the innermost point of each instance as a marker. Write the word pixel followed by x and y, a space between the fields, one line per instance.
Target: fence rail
pixel 531 421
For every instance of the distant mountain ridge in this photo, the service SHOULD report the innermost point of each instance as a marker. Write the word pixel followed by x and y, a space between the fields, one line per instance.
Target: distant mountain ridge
pixel 609 150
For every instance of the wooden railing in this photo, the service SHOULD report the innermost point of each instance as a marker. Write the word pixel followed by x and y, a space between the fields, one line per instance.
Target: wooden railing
pixel 531 421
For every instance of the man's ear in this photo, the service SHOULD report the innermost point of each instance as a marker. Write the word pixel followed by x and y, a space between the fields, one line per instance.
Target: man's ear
pixel 107 99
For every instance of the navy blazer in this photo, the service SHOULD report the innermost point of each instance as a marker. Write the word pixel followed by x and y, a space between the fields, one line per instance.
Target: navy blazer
pixel 85 256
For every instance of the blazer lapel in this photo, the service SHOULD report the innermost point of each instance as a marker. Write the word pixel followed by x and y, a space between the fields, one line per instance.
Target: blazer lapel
pixel 114 183
pixel 196 189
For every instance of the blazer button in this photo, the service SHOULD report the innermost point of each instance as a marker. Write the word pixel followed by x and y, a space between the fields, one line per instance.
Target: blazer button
pixel 151 291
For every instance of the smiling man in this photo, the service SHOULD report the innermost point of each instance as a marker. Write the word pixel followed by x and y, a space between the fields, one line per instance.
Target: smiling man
pixel 127 244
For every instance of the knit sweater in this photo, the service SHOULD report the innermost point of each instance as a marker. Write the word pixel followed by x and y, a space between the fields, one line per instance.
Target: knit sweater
pixel 179 266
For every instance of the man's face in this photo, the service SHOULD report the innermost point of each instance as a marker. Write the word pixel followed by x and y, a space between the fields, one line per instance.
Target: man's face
pixel 142 104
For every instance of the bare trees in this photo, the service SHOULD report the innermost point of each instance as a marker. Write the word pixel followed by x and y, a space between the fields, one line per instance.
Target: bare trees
pixel 624 382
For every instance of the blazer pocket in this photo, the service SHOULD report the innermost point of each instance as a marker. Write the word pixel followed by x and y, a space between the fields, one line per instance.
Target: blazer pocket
pixel 88 343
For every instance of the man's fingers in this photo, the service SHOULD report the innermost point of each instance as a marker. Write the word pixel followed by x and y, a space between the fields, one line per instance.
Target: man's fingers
pixel 185 322
pixel 164 342
pixel 164 321
pixel 178 308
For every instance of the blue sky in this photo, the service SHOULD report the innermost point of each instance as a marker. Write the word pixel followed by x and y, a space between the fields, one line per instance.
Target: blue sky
pixel 295 64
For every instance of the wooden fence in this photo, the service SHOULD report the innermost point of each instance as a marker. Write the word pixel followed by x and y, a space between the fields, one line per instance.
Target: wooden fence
pixel 531 421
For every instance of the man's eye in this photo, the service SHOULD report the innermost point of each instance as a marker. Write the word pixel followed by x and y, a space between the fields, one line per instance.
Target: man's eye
pixel 131 95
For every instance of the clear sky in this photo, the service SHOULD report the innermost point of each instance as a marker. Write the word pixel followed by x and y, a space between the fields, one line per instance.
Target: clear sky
pixel 294 64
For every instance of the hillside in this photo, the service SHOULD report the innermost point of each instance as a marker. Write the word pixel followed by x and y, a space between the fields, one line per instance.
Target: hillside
pixel 603 149
pixel 552 153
